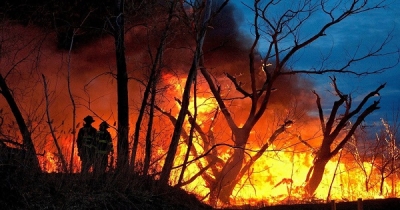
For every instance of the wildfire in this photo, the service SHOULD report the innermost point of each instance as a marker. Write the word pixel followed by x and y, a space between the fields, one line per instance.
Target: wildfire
pixel 49 162
pixel 277 177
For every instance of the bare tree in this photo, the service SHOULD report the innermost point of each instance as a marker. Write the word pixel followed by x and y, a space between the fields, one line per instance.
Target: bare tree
pixel 201 27
pixel 365 156
pixel 151 86
pixel 335 127
pixel 51 127
pixel 208 145
pixel 277 29
pixel 15 52
pixel 31 159
pixel 117 25
pixel 388 154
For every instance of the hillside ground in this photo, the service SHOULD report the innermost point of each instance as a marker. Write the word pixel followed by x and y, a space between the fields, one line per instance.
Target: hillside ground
pixel 21 190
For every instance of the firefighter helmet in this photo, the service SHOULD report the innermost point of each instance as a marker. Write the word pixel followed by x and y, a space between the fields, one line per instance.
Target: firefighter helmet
pixel 88 119
pixel 104 124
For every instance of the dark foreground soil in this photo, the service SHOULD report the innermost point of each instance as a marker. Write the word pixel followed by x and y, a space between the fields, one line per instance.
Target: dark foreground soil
pixel 75 191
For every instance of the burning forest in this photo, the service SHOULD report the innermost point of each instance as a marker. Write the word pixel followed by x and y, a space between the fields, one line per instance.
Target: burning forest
pixel 193 101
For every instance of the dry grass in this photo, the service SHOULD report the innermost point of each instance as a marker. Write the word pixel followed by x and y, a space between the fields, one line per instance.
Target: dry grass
pixel 21 190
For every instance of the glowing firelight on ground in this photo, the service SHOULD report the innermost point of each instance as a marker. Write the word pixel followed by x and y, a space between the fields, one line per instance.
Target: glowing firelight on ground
pixel 279 178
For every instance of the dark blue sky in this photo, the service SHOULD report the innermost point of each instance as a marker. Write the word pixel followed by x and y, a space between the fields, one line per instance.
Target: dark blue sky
pixel 354 36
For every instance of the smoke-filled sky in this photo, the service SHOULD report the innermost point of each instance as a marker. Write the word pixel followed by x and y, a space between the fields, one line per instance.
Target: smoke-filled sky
pixel 92 58
pixel 359 32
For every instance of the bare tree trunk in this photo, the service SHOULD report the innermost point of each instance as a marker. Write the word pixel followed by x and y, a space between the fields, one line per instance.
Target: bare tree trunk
pixel 31 159
pixel 169 160
pixel 147 157
pixel 328 197
pixel 49 121
pixel 382 183
pixel 225 181
pixel 154 76
pixel 211 158
pixel 191 132
pixel 332 131
pixel 139 121
pixel 122 89
pixel 317 172
pixel 71 97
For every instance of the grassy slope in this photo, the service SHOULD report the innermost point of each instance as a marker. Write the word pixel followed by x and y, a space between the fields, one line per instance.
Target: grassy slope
pixel 73 191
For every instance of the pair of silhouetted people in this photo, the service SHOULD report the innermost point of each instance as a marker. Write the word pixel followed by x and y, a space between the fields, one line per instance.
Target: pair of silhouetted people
pixel 94 146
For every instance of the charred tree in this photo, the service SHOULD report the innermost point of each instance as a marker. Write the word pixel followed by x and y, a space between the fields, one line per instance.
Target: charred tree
pixel 122 87
pixel 334 127
pixel 189 141
pixel 52 131
pixel 151 90
pixel 201 33
pixel 276 30
pixel 31 160
pixel 211 156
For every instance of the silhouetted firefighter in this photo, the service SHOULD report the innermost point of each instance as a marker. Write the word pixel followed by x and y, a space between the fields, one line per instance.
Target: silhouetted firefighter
pixel 85 143
pixel 104 147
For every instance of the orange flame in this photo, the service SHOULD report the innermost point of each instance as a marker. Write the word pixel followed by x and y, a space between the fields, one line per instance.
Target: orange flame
pixel 276 177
